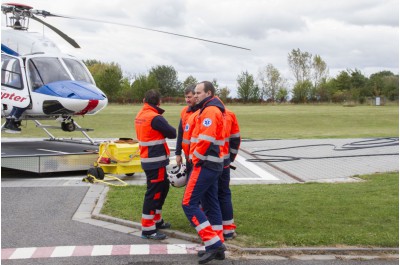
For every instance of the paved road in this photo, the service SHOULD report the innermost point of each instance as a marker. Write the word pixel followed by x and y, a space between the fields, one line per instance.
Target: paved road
pixel 316 160
pixel 37 214
pixel 41 213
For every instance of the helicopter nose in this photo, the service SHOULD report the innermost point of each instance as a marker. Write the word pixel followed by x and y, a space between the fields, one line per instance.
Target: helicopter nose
pixel 92 104
pixel 70 89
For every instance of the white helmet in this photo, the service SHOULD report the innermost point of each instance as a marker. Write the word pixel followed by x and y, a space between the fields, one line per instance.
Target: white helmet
pixel 177 176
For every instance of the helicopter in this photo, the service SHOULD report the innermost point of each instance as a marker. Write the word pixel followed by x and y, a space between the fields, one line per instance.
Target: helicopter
pixel 39 79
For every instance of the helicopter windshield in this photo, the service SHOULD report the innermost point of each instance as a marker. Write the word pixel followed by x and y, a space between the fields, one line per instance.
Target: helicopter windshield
pixel 44 70
pixel 77 70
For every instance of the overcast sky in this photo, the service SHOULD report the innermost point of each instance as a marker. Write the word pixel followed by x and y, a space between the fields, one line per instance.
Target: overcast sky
pixel 347 34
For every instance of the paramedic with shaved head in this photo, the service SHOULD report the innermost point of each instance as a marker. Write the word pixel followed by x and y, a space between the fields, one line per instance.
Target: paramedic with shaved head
pixel 206 154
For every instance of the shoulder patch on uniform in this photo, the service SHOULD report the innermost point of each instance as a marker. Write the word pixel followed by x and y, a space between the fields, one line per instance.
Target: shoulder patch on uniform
pixel 187 126
pixel 207 122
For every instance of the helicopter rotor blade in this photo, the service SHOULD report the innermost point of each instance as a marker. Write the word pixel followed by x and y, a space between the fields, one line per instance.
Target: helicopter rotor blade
pixel 45 13
pixel 154 30
pixel 59 32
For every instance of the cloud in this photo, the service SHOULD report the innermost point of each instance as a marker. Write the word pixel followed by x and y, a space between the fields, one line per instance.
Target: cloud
pixel 363 13
pixel 347 34
pixel 165 14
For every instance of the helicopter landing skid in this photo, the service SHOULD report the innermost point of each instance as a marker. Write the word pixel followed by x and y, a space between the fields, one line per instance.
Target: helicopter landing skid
pixel 76 128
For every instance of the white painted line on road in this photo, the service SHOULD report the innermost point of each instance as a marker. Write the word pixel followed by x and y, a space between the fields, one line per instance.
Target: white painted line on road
pixel 53 151
pixel 140 249
pixel 255 169
pixel 22 253
pixel 258 179
pixel 102 250
pixel 98 250
pixel 177 249
pixel 62 251
pixel 60 178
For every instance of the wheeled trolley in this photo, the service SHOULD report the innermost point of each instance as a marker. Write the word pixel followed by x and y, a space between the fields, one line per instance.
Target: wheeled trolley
pixel 119 157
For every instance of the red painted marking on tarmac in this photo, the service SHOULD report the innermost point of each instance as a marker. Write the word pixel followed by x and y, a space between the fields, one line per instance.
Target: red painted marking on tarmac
pixel 43 252
pixel 121 250
pixel 158 249
pixel 7 252
pixel 82 251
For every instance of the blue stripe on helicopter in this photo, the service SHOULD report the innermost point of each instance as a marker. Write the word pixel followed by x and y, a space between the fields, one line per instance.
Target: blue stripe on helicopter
pixel 71 89
pixel 7 50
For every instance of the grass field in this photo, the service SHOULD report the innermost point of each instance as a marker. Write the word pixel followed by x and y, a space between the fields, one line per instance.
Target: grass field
pixel 315 214
pixel 292 215
pixel 256 122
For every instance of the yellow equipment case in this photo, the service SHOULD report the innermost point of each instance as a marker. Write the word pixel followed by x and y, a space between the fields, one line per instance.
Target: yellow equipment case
pixel 120 157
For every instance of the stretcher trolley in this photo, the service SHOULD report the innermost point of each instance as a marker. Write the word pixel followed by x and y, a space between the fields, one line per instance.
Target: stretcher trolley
pixel 116 157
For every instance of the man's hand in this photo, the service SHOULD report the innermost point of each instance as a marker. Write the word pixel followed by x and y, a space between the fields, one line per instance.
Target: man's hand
pixel 178 159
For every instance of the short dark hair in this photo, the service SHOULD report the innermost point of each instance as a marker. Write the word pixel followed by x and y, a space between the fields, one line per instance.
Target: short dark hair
pixel 152 97
pixel 190 88
pixel 208 86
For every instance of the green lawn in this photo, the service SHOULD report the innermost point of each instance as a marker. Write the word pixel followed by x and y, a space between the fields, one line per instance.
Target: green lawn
pixel 314 214
pixel 256 121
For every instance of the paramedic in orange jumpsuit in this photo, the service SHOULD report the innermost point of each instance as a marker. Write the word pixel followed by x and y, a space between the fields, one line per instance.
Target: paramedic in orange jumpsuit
pixel 231 148
pixel 206 154
pixel 151 130
pixel 185 128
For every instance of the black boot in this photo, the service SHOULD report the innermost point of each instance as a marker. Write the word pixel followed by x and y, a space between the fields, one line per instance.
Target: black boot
pixel 219 256
pixel 12 126
pixel 8 119
pixel 163 225
pixel 213 254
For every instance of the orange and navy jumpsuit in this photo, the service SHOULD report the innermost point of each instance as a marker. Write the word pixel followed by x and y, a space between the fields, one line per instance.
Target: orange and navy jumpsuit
pixel 231 148
pixel 206 154
pixel 186 125
pixel 151 131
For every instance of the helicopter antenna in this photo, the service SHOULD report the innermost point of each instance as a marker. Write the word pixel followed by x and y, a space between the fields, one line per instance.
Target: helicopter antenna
pixel 59 32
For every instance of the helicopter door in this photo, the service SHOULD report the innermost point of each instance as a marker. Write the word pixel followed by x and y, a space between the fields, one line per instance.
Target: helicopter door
pixel 14 89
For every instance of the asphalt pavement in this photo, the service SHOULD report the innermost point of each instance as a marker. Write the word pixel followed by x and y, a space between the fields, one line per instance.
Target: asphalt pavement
pixel 55 218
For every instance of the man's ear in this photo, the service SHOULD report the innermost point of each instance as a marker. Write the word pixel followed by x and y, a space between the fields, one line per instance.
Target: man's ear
pixel 144 100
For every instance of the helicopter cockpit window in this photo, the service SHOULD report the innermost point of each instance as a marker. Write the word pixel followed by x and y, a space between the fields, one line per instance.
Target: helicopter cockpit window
pixel 48 70
pixel 77 70
pixel 34 76
pixel 11 75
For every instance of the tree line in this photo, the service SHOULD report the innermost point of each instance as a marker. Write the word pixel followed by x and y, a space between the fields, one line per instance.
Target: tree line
pixel 312 83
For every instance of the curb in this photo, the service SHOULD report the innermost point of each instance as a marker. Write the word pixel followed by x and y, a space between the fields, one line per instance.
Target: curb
pixel 300 253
